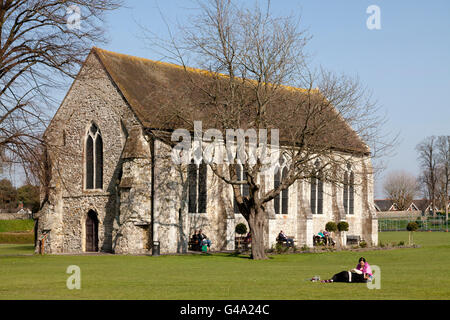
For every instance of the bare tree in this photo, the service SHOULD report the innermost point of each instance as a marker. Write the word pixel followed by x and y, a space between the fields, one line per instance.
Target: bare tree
pixel 428 162
pixel 43 43
pixel 443 147
pixel 250 58
pixel 401 187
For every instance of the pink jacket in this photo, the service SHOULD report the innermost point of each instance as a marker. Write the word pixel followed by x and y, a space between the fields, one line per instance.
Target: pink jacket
pixel 367 269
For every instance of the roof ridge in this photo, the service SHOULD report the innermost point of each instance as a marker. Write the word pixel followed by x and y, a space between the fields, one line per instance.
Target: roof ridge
pixel 198 70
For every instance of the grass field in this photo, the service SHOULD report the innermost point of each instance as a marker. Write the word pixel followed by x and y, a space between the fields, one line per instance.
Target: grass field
pixel 16 231
pixel 16 225
pixel 419 273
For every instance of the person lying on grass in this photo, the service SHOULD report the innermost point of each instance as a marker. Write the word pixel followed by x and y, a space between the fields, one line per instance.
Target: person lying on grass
pixel 362 273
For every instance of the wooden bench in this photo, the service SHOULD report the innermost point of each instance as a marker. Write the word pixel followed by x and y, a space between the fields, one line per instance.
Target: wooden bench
pixel 194 245
pixel 285 242
pixel 353 239
pixel 242 243
pixel 320 241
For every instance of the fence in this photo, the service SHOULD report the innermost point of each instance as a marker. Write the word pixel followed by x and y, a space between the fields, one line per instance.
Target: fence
pixel 425 223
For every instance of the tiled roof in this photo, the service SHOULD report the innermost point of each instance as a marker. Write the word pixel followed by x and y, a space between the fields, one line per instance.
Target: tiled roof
pixel 152 87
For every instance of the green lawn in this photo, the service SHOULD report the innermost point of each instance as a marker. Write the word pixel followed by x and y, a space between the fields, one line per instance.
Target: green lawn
pixel 16 231
pixel 16 225
pixel 420 273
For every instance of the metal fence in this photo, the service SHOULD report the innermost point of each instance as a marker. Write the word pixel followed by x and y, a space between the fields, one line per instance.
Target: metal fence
pixel 425 223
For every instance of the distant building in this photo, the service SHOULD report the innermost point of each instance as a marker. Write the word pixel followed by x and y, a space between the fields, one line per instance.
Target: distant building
pixel 420 205
pixel 19 213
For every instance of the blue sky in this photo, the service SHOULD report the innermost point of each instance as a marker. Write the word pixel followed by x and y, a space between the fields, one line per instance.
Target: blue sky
pixel 406 64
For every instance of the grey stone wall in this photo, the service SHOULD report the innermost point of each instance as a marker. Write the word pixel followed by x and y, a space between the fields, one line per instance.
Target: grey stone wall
pixel 92 98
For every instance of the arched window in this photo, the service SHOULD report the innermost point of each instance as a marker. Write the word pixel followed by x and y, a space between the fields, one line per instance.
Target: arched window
pixel 346 192
pixel 276 183
pixel 239 178
pixel 285 195
pixel 202 179
pixel 281 203
pixel 94 159
pixel 317 194
pixel 349 191
pixel 197 182
pixel 352 194
pixel 192 181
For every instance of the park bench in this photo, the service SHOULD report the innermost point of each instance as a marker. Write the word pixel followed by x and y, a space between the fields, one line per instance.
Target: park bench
pixel 194 245
pixel 353 239
pixel 285 242
pixel 320 241
pixel 241 242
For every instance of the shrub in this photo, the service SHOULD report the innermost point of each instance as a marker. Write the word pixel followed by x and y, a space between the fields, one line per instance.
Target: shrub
pixel 331 226
pixel 304 248
pixel 363 244
pixel 381 245
pixel 241 228
pixel 401 243
pixel 279 248
pixel 412 226
pixel 342 226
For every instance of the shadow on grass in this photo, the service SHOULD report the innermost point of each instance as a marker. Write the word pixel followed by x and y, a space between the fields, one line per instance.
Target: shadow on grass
pixel 240 255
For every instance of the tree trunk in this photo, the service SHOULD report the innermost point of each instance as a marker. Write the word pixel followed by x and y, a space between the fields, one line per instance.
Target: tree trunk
pixel 257 222
pixel 446 214
pixel 339 240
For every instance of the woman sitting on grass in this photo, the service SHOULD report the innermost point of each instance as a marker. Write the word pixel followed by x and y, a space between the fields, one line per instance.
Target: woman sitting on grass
pixel 362 273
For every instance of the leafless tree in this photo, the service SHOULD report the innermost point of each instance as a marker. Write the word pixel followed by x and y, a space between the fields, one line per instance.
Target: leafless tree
pixel 427 156
pixel 42 44
pixel 254 62
pixel 443 148
pixel 401 187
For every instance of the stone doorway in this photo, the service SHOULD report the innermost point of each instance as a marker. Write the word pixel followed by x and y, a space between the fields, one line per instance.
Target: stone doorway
pixel 91 232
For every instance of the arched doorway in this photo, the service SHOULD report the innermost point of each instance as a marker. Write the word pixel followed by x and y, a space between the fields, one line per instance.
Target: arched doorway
pixel 91 232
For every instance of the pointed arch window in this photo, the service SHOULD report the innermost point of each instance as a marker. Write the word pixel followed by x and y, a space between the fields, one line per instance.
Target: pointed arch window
pixel 94 159
pixel 281 201
pixel 197 183
pixel 349 191
pixel 276 184
pixel 317 194
pixel 285 195
pixel 241 175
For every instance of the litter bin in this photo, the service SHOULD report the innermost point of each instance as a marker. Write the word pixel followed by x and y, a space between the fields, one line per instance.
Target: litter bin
pixel 155 249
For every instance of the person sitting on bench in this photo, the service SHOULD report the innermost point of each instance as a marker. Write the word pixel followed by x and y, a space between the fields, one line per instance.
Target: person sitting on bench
pixel 283 237
pixel 203 239
pixel 196 241
pixel 248 238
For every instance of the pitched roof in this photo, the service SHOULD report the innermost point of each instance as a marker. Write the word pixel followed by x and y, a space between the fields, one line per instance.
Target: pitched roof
pixel 384 204
pixel 422 204
pixel 150 86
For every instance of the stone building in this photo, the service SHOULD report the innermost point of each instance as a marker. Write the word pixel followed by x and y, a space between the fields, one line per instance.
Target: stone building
pixel 114 188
